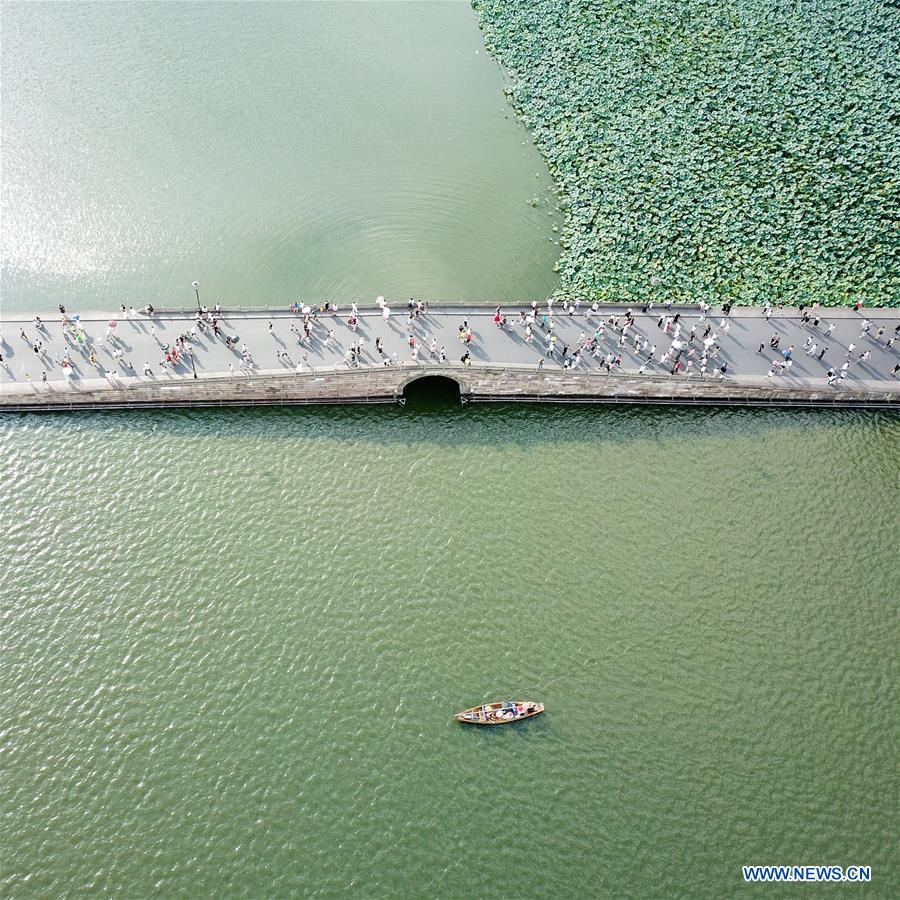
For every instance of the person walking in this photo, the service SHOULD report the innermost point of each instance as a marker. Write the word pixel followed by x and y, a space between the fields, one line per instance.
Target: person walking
pixel 822 353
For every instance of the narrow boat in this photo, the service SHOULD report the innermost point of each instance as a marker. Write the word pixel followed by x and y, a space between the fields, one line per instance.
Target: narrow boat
pixel 500 713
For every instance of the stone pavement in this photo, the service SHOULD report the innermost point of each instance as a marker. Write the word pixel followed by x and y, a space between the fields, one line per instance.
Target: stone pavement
pixel 142 340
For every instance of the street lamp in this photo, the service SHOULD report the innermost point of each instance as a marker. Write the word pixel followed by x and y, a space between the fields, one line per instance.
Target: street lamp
pixel 196 286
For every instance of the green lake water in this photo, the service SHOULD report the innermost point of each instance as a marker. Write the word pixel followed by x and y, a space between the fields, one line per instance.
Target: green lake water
pixel 231 642
pixel 271 151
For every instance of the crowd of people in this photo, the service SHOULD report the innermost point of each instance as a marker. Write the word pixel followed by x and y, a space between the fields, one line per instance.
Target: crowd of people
pixel 686 343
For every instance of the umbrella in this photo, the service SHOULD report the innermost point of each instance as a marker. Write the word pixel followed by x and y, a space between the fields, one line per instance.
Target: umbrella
pixel 112 323
pixel 234 338
pixel 306 309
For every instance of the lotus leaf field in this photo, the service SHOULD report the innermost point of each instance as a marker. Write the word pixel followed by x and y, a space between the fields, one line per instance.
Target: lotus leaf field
pixel 740 150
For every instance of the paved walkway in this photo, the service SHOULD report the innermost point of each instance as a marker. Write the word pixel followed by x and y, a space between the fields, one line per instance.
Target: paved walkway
pixel 136 345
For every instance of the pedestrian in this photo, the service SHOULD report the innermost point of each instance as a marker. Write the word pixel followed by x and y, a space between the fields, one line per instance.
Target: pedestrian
pixel 822 353
pixel 722 370
pixel 759 349
pixel 443 355
pixel 788 353
pixel 812 349
pixel 271 326
pixel 864 356
pixel 895 370
pixel 44 377
pixel 830 330
pixel 850 348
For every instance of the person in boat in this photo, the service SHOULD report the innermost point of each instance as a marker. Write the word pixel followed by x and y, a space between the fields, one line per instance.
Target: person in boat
pixel 531 709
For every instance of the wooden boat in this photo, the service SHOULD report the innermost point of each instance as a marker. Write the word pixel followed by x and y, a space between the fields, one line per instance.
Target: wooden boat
pixel 502 712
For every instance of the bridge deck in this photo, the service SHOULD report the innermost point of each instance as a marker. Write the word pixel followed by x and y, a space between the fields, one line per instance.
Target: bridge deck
pixel 503 364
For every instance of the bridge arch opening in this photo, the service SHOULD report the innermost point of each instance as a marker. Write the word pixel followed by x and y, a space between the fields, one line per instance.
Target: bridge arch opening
pixel 431 390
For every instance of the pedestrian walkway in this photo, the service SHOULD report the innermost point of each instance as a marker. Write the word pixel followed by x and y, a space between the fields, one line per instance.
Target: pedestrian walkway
pixel 785 347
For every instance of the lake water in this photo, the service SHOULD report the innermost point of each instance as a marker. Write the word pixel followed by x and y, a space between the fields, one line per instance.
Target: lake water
pixel 272 151
pixel 231 642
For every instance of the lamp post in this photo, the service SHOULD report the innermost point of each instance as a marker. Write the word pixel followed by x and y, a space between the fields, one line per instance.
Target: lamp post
pixel 196 286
